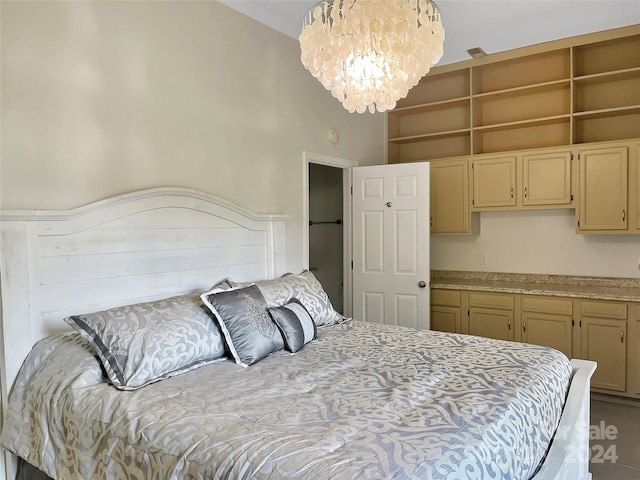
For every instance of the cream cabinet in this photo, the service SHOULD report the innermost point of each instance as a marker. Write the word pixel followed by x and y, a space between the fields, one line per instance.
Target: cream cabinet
pixel 546 178
pixel 524 180
pixel 445 310
pixel 603 189
pixel 494 182
pixel 604 340
pixel 548 321
pixel 606 332
pixel 491 315
pixel 450 211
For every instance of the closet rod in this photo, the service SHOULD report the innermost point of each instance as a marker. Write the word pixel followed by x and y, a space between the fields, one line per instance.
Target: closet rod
pixel 337 222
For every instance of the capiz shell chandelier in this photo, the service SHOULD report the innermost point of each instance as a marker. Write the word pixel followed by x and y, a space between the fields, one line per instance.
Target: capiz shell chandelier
pixel 370 53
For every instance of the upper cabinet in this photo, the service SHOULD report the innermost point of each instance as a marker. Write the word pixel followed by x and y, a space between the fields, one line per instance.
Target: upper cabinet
pixel 603 189
pixel 522 181
pixel 450 196
pixel 546 178
pixel 579 90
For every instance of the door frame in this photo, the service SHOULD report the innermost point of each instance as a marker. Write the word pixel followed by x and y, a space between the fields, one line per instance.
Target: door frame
pixel 345 164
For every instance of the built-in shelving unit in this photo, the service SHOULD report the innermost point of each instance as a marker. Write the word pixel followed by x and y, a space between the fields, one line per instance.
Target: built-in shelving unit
pixel 572 91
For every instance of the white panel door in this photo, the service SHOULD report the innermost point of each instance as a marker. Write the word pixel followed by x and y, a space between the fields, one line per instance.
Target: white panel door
pixel 391 244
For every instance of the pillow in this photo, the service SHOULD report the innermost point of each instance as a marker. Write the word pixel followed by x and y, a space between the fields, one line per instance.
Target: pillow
pixel 295 324
pixel 224 284
pixel 248 330
pixel 307 289
pixel 146 342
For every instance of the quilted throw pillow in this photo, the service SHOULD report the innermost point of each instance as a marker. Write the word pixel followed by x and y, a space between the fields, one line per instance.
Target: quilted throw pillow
pixel 295 324
pixel 307 289
pixel 146 342
pixel 242 314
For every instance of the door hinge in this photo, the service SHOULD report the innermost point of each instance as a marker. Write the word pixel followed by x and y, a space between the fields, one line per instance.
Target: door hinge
pixel 473 165
pixel 473 202
pixel 573 322
pixel 468 313
pixel 578 223
pixel 580 323
pixel 578 156
pixel 571 156
pixel 352 190
pixel 572 197
pixel 351 264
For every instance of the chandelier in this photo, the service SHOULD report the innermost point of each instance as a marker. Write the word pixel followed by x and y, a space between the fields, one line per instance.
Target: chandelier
pixel 370 53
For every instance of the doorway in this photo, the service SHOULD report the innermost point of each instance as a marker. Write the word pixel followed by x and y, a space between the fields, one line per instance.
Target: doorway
pixel 327 225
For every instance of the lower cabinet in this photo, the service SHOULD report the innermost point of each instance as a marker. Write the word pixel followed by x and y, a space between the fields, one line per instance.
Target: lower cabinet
pixel 445 310
pixel 491 315
pixel 604 340
pixel 548 322
pixel 606 332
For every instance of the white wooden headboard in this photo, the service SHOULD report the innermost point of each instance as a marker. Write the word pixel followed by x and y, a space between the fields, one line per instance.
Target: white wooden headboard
pixel 131 248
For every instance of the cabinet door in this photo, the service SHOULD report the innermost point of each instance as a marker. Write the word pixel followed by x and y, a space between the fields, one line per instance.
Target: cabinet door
pixel 450 196
pixel 603 189
pixel 494 182
pixel 636 188
pixel 491 323
pixel 546 179
pixel 605 341
pixel 547 329
pixel 445 319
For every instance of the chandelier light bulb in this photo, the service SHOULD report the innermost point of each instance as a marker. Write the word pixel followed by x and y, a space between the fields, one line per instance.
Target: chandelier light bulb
pixel 370 53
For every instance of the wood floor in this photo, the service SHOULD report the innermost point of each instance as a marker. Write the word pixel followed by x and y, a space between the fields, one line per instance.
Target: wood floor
pixel 615 450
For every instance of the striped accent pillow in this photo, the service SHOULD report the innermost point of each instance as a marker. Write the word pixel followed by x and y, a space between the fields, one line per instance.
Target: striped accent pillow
pixel 295 324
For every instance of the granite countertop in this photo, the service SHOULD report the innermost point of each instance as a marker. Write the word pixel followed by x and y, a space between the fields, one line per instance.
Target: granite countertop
pixel 594 288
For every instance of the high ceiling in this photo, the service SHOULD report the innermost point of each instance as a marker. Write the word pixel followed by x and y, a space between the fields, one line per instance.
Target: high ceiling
pixel 494 25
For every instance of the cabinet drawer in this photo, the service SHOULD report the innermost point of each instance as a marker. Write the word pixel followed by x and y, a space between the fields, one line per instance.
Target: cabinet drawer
pixel 449 298
pixel 604 309
pixel 547 305
pixel 491 300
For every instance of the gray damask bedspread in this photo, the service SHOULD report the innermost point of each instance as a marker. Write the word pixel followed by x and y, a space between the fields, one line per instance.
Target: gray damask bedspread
pixel 361 401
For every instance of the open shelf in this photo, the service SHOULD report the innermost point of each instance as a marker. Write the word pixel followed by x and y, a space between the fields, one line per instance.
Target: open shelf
pixel 432 107
pixel 522 104
pixel 549 132
pixel 612 124
pixel 606 91
pixel 435 88
pixel 607 56
pixel 571 91
pixel 523 71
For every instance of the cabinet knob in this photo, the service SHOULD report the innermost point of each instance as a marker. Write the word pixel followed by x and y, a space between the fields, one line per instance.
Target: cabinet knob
pixel 422 284
pixel 621 336
pixel 623 215
pixel 524 327
pixel 509 324
pixel 388 204
pixel 525 192
pixel 511 192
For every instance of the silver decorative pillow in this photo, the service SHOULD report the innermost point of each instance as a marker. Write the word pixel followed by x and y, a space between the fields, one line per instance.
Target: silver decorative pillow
pixel 306 288
pixel 146 342
pixel 295 324
pixel 250 333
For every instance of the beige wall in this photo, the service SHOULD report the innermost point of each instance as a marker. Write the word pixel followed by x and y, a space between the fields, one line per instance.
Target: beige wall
pixel 543 241
pixel 103 98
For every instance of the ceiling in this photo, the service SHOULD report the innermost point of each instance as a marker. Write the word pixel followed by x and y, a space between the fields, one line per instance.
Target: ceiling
pixel 493 25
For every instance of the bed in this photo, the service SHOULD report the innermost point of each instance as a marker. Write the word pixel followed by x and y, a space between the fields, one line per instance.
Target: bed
pixel 330 398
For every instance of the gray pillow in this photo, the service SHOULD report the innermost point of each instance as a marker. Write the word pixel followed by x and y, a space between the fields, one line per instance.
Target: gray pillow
pixel 146 342
pixel 295 324
pixel 250 333
pixel 306 288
